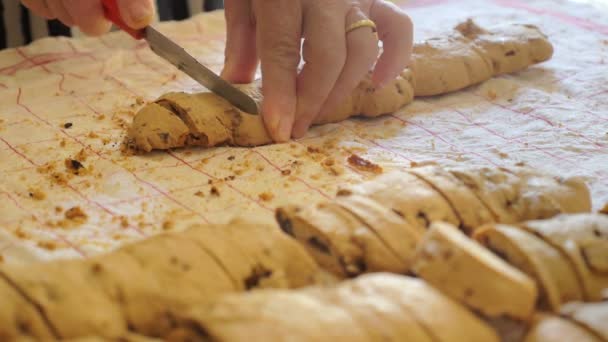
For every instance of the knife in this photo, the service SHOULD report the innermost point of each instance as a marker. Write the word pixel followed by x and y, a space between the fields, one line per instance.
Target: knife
pixel 176 55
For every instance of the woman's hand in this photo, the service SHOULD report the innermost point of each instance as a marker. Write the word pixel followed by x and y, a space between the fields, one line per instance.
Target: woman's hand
pixel 335 61
pixel 88 14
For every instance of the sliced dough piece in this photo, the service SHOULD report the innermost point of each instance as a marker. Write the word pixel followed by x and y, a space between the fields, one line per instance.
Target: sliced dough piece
pixel 584 239
pixel 407 195
pixel 61 290
pixel 206 115
pixel 275 315
pixel 593 316
pixel 339 241
pixel 19 318
pixel 553 273
pixel 472 275
pixel 243 270
pixel 396 233
pixel 182 266
pixel 146 304
pixel 469 209
pixel 515 195
pixel 157 128
pixel 544 196
pixel 547 328
pixel 382 317
pixel 443 319
pixel 495 188
pixel 291 266
pixel 510 47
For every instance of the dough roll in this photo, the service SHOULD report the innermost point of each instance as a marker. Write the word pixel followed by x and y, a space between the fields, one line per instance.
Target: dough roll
pixel 341 313
pixel 140 287
pixel 548 327
pixel 592 316
pixel 555 277
pixel 466 271
pixel 583 240
pixel 466 56
pixel 375 225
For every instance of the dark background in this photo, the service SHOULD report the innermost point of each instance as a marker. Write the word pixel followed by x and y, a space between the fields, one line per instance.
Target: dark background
pixel 167 9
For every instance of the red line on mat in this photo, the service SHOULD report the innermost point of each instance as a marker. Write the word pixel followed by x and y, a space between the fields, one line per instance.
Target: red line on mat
pixel 530 113
pixel 56 234
pixel 17 152
pixel 438 136
pixel 567 18
pixel 299 179
pixel 215 178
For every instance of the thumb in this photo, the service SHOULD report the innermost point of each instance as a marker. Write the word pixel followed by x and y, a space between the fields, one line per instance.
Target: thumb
pixel 241 58
pixel 137 13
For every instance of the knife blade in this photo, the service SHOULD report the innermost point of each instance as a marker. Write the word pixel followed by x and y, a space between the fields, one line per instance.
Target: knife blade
pixel 180 58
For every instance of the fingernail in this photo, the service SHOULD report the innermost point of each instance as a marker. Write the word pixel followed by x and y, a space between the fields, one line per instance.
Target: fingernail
pixel 300 130
pixel 140 13
pixel 284 129
pixel 271 120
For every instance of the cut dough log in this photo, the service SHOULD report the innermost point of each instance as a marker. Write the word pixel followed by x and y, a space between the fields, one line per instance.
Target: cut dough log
pixel 472 275
pixel 140 287
pixel 547 328
pixel 422 301
pixel 592 316
pixel 339 241
pixel 553 273
pixel 471 212
pixel 62 289
pixel 464 57
pixel 520 194
pixel 394 232
pixel 271 316
pixel 382 316
pixel 583 238
pixel 335 314
pixel 336 239
pixel 25 318
pixel 279 260
pixel 409 196
pixel 508 47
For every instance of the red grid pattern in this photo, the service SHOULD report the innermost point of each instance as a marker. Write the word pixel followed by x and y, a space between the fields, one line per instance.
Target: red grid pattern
pixel 97 84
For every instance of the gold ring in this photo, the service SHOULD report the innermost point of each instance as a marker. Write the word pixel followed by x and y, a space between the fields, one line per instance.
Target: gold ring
pixel 362 23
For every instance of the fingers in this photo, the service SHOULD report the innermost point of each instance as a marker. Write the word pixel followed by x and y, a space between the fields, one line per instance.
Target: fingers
pixel 39 7
pixel 60 12
pixel 395 30
pixel 137 13
pixel 241 57
pixel 325 55
pixel 278 29
pixel 362 49
pixel 88 16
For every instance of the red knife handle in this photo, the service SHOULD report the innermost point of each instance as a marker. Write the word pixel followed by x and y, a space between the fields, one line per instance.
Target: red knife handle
pixel 112 13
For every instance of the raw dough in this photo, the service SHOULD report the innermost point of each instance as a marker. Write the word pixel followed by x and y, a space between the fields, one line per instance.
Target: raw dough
pixel 362 239
pixel 140 287
pixel 414 312
pixel 466 56
pixel 340 241
pixel 553 273
pixel 472 275
pixel 548 328
pixel 592 316
pixel 407 195
pixel 583 239
pixel 471 212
